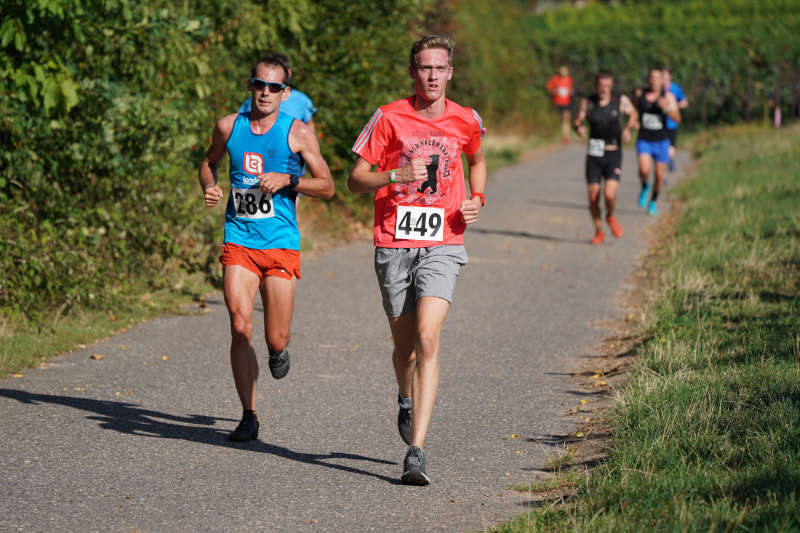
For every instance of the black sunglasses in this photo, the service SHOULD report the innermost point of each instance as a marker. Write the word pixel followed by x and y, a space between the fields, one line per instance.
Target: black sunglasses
pixel 274 86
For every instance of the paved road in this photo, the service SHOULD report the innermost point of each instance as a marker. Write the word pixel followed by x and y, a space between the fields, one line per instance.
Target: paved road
pixel 136 441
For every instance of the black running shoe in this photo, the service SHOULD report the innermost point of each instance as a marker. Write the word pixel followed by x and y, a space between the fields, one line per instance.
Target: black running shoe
pixel 404 424
pixel 414 468
pixel 279 364
pixel 246 430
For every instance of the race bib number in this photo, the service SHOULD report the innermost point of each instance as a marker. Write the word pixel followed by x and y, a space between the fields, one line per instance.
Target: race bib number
pixel 419 223
pixel 562 91
pixel 651 121
pixel 253 203
pixel 597 147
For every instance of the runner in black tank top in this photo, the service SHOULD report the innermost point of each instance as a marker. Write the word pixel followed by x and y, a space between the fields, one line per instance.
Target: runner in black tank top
pixel 603 111
pixel 655 104
pixel 653 118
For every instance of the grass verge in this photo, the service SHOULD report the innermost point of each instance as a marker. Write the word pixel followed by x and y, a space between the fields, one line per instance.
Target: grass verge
pixel 704 436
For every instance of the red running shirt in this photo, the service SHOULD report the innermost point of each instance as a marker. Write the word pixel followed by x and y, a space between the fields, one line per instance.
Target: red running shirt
pixel 560 87
pixel 394 135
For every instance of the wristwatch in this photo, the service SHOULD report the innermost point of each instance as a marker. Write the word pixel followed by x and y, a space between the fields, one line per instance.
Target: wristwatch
pixel 293 181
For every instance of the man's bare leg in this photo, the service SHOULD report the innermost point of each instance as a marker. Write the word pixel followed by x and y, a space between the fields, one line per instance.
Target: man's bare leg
pixel 240 287
pixel 594 210
pixel 610 197
pixel 431 312
pixel 645 162
pixel 277 295
pixel 403 356
pixel 594 204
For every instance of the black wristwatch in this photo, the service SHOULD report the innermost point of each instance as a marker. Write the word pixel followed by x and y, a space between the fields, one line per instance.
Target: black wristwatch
pixel 293 181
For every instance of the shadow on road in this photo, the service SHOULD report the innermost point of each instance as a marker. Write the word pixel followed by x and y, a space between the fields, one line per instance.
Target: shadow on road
pixel 585 207
pixel 133 420
pixel 526 235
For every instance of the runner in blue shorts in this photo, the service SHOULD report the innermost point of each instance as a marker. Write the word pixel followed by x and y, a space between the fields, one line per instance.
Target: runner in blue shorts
pixel 654 104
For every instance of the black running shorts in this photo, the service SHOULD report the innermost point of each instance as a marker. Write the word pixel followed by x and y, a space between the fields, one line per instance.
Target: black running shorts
pixel 607 167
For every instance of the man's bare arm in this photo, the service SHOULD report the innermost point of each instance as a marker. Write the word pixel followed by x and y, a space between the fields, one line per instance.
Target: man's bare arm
pixel 626 108
pixel 671 108
pixel 471 208
pixel 207 173
pixel 363 179
pixel 320 185
pixel 577 124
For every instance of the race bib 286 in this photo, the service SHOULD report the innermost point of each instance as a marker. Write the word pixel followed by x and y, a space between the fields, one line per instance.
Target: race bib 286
pixel 252 203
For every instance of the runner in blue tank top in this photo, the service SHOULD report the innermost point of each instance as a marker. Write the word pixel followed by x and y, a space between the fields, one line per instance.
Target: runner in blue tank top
pixel 261 252
pixel 672 126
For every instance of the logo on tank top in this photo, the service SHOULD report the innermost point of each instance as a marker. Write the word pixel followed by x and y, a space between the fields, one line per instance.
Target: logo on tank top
pixel 253 163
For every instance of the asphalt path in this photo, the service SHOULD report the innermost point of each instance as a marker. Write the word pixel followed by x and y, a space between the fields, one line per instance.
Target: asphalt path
pixel 136 441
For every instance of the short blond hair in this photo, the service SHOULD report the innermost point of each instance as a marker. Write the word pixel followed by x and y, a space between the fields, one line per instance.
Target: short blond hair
pixel 431 41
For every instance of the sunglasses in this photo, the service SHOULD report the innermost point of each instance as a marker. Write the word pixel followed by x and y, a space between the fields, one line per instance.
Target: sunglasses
pixel 274 86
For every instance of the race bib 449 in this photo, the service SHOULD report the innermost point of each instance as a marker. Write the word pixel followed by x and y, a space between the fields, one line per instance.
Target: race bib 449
pixel 252 203
pixel 419 223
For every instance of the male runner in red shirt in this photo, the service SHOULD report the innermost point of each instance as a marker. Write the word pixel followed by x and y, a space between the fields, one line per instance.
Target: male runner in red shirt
pixel 421 212
pixel 560 88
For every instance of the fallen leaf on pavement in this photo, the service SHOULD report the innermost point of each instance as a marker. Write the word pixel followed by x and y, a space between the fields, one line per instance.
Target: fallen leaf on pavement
pixel 97 356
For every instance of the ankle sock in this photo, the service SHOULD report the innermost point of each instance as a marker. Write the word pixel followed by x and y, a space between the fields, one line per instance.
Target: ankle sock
pixel 405 403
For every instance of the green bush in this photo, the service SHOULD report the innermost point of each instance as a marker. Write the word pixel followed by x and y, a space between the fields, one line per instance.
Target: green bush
pixel 109 106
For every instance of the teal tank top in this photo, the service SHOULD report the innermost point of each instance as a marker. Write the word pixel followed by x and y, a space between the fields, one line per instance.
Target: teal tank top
pixel 252 219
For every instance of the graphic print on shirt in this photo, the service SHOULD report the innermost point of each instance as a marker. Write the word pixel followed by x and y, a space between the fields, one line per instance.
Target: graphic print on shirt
pixel 438 152
pixel 432 168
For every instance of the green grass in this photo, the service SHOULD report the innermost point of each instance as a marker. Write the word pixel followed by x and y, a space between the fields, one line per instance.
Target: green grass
pixel 706 435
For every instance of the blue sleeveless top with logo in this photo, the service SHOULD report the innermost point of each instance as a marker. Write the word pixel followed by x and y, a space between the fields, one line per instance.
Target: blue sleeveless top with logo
pixel 253 219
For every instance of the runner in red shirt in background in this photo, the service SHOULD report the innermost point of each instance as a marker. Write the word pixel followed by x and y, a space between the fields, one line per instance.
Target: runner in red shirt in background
pixel 560 87
pixel 421 212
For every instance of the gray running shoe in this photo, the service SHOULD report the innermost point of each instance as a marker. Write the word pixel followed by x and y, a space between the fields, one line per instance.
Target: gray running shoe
pixel 246 430
pixel 404 424
pixel 279 364
pixel 414 468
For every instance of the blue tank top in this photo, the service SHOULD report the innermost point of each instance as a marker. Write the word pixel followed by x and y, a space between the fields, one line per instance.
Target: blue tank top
pixel 252 219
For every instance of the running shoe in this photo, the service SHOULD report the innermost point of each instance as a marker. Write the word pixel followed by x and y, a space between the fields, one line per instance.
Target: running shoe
pixel 644 195
pixel 404 424
pixel 279 364
pixel 653 210
pixel 414 468
pixel 598 238
pixel 246 430
pixel 616 227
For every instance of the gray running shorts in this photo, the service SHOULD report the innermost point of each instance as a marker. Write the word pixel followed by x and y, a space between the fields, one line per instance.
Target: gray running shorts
pixel 407 274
